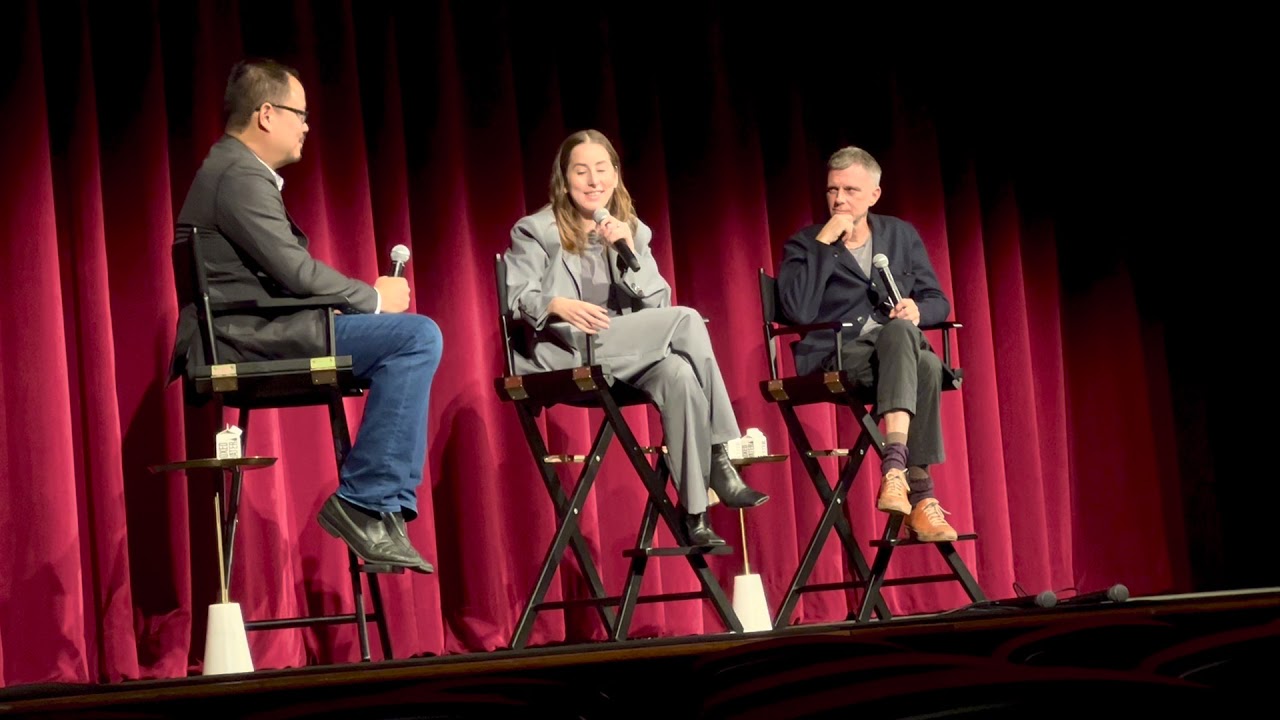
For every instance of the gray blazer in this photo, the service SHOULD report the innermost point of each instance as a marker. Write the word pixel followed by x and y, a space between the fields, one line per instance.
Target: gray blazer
pixel 258 254
pixel 539 270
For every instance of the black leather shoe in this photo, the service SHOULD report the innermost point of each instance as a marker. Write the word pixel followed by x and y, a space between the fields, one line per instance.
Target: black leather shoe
pixel 728 484
pixel 395 526
pixel 700 532
pixel 365 534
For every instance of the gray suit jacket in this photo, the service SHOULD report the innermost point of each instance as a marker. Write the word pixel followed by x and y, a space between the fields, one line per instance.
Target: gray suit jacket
pixel 257 254
pixel 539 270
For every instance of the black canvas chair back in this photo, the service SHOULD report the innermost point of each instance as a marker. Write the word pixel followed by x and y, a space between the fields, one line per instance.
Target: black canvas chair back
pixel 281 383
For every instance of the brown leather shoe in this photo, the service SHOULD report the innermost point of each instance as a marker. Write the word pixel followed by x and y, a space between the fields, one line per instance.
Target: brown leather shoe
pixel 893 493
pixel 929 523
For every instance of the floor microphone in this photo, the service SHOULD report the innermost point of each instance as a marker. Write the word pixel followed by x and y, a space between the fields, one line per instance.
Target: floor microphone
pixel 1046 599
pixel 1115 593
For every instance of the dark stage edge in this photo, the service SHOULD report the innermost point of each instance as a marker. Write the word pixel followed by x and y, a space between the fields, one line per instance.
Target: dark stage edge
pixel 1201 652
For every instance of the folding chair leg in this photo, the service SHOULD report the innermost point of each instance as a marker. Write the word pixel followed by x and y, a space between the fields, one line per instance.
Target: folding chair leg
pixel 952 556
pixel 231 518
pixel 341 433
pixel 653 479
pixel 719 600
pixel 231 513
pixel 879 569
pixel 339 429
pixel 357 592
pixel 581 550
pixel 379 614
pixel 635 575
pixel 833 516
pixel 656 480
pixel 568 511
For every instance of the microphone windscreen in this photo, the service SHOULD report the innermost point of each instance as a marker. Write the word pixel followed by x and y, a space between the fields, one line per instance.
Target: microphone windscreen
pixel 880 260
pixel 599 215
pixel 400 254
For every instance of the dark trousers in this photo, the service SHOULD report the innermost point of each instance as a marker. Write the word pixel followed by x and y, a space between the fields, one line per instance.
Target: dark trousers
pixel 897 361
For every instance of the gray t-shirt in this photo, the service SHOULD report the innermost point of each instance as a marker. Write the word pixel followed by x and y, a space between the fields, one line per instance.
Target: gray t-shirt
pixel 863 257
pixel 595 275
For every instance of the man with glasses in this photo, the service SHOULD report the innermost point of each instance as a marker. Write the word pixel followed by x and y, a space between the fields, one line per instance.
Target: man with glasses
pixel 258 253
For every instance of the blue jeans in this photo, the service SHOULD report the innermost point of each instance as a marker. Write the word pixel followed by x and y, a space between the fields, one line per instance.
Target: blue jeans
pixel 399 353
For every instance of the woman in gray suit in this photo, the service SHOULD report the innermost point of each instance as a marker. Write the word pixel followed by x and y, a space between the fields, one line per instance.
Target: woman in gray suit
pixel 567 281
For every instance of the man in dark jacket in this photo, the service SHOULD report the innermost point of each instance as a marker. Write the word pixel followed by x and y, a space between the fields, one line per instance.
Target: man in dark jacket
pixel 827 276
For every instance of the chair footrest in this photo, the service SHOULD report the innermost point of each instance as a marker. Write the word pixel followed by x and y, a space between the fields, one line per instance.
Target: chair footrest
pixel 617 599
pixel 836 452
pixel 380 568
pixel 891 582
pixel 570 459
pixel 824 587
pixel 899 542
pixel 297 622
pixel 677 551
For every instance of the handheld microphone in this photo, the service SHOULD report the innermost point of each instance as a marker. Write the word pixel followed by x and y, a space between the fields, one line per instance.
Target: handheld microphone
pixel 882 267
pixel 622 248
pixel 399 256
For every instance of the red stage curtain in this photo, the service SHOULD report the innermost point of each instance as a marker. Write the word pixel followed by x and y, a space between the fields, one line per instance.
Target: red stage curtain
pixel 434 125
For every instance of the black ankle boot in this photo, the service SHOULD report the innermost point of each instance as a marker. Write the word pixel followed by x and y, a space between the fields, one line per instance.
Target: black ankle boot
pixel 700 532
pixel 728 484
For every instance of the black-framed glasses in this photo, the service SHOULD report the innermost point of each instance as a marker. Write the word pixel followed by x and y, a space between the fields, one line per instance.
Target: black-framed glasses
pixel 300 113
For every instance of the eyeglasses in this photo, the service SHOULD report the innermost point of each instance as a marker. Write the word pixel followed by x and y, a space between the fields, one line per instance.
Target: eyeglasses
pixel 300 113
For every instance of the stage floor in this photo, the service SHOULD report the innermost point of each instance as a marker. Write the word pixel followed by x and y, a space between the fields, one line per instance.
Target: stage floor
pixel 1204 651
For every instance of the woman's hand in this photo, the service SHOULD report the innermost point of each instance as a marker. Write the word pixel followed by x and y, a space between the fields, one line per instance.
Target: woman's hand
pixel 614 230
pixel 584 316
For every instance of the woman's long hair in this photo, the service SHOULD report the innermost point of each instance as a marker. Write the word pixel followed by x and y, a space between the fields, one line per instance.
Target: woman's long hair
pixel 572 237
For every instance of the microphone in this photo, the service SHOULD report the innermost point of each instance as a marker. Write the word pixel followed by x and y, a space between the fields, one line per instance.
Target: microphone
pixel 1046 599
pixel 1115 593
pixel 399 256
pixel 622 248
pixel 882 267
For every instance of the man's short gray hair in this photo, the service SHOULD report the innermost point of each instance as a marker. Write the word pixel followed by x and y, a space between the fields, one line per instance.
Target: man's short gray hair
pixel 850 156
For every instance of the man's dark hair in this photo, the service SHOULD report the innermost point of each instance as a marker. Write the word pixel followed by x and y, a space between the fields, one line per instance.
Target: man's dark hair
pixel 251 83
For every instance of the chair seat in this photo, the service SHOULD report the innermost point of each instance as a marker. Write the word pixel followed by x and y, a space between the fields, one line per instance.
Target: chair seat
pixel 575 387
pixel 294 382
pixel 905 541
pixel 836 386
pixel 824 387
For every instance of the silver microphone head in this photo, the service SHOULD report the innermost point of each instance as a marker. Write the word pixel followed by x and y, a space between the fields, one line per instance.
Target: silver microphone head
pixel 400 254
pixel 600 215
pixel 880 261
